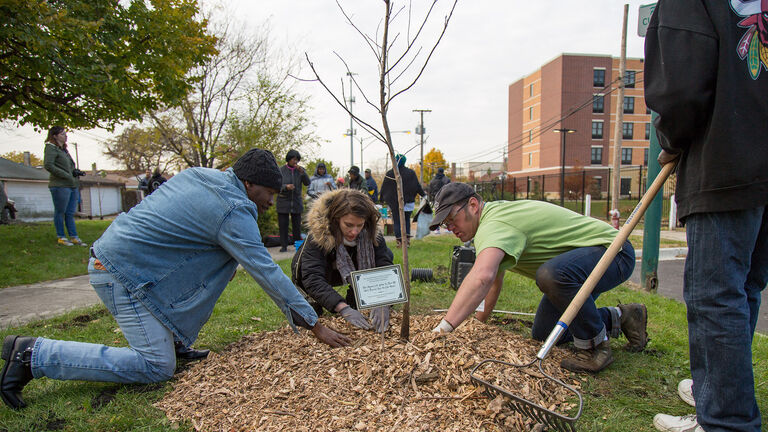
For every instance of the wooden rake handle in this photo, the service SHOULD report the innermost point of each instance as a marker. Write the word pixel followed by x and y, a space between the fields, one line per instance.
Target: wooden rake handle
pixel 597 273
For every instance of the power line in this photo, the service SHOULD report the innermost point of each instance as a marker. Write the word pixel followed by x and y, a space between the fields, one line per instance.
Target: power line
pixel 549 124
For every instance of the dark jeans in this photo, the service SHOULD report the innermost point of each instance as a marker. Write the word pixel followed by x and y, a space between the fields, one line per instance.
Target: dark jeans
pixel 560 279
pixel 396 223
pixel 725 271
pixel 282 222
pixel 64 207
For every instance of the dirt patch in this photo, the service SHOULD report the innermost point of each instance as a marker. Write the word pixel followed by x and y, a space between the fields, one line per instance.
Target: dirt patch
pixel 81 320
pixel 105 397
pixel 279 381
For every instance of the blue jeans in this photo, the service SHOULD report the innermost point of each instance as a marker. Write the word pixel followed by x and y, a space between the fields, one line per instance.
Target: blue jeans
pixel 560 279
pixel 725 272
pixel 396 222
pixel 150 358
pixel 64 207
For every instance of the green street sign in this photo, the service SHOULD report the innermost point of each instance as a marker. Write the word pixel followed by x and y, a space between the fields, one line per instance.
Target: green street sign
pixel 644 17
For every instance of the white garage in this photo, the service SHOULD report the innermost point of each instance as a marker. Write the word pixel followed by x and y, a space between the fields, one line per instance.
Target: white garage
pixel 28 187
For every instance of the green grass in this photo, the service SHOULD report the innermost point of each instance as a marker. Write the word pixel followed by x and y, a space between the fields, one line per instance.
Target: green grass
pixel 637 242
pixel 622 398
pixel 30 253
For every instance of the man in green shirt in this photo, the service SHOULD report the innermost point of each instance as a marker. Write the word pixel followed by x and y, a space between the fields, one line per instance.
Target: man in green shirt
pixel 556 247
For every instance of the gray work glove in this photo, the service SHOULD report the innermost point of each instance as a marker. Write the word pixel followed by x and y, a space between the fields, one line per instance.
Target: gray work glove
pixel 355 318
pixel 380 318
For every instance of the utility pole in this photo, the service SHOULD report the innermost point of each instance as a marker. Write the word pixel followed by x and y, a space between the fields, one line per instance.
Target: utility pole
pixel 563 132
pixel 351 122
pixel 618 127
pixel 77 157
pixel 420 131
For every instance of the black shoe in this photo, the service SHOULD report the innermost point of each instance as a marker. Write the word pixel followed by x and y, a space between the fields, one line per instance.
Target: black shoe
pixel 283 249
pixel 17 371
pixel 186 353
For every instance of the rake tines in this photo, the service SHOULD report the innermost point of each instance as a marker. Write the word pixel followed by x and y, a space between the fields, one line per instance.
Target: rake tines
pixel 540 414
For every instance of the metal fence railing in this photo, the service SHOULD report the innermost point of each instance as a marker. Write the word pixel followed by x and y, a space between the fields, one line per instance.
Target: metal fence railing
pixel 577 185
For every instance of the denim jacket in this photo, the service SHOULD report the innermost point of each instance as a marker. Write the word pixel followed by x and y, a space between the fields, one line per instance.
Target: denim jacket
pixel 177 250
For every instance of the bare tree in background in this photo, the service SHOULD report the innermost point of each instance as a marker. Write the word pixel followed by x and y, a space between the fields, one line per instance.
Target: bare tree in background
pixel 139 149
pixel 402 58
pixel 241 99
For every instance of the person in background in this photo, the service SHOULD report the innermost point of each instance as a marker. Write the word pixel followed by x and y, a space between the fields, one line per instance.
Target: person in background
pixel 343 237
pixel 144 182
pixel 554 246
pixel 355 181
pixel 320 183
pixel 290 202
pixel 155 181
pixel 436 184
pixel 3 204
pixel 373 188
pixel 411 188
pixel 63 184
pixel 705 76
pixel 159 269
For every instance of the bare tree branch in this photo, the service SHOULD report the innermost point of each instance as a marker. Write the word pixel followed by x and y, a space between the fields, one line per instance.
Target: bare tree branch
pixel 371 42
pixel 432 51
pixel 368 128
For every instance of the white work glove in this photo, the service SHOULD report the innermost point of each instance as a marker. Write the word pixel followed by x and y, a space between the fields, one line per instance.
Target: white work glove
pixel 380 318
pixel 443 327
pixel 355 318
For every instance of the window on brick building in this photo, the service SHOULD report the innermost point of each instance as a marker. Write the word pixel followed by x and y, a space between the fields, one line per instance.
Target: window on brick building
pixel 629 105
pixel 597 155
pixel 629 79
pixel 597 129
pixel 598 77
pixel 628 130
pixel 626 156
pixel 598 104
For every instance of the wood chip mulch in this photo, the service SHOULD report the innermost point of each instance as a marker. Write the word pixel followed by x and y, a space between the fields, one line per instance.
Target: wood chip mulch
pixel 281 381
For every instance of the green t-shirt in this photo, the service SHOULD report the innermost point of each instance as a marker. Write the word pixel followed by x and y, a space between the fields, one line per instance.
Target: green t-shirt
pixel 533 232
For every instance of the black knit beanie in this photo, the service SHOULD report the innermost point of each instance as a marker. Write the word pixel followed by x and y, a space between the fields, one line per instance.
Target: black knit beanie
pixel 259 167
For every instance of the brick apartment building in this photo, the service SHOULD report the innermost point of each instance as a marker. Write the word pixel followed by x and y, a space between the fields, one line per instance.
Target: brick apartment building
pixel 577 92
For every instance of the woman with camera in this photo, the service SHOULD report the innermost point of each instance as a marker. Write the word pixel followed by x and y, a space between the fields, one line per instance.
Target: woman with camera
pixel 63 184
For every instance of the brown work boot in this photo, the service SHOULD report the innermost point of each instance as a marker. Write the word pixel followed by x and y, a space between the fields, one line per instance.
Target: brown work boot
pixel 589 360
pixel 634 320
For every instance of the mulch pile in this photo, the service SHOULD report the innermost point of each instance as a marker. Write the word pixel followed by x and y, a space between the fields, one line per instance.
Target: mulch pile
pixel 281 381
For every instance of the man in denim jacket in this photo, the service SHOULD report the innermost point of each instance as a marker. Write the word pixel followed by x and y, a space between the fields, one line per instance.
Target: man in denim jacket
pixel 160 269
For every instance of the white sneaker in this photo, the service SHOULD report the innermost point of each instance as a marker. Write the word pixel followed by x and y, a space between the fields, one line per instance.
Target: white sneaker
pixel 685 390
pixel 668 423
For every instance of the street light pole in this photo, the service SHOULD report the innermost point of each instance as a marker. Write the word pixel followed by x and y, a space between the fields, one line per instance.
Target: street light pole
pixel 563 132
pixel 351 122
pixel 421 132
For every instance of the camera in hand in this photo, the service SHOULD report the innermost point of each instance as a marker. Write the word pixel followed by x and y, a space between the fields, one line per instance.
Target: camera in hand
pixel 78 173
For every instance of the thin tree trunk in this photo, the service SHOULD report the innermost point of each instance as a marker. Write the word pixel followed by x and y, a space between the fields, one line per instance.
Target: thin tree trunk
pixel 405 327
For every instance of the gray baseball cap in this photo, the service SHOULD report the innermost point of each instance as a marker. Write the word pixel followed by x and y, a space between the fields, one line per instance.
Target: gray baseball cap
pixel 449 195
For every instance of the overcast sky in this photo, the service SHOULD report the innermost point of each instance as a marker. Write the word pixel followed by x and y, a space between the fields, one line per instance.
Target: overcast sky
pixel 489 44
